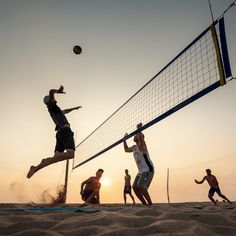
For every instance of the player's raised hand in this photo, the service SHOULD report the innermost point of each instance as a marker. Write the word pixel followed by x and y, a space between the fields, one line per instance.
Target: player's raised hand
pixel 139 125
pixel 125 136
pixel 61 89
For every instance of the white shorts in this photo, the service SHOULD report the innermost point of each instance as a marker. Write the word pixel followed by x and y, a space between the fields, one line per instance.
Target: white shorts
pixel 143 180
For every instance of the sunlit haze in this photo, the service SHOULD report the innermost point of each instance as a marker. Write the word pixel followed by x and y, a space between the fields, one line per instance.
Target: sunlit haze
pixel 106 182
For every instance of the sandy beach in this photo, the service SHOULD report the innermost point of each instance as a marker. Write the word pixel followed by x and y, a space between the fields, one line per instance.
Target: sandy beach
pixel 118 219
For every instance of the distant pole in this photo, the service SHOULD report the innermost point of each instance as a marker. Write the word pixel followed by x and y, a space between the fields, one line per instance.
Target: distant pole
pixel 168 195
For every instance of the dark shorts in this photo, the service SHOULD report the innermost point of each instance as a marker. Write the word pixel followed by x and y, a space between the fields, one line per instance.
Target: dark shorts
pixel 85 196
pixel 143 180
pixel 64 139
pixel 127 189
pixel 213 190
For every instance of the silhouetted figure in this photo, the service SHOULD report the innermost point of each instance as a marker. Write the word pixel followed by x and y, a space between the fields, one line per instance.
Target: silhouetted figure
pixel 214 186
pixel 65 145
pixel 127 187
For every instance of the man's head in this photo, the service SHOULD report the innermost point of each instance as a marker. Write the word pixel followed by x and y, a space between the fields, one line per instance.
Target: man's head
pixel 46 100
pixel 126 171
pixel 99 173
pixel 136 139
pixel 208 171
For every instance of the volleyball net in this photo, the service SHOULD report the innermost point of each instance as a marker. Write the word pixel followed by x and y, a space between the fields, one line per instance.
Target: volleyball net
pixel 197 70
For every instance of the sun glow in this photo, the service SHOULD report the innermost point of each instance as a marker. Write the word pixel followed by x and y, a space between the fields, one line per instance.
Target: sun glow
pixel 106 182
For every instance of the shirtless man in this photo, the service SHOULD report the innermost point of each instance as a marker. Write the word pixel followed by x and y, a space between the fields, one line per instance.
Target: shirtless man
pixel 127 187
pixel 65 145
pixel 145 167
pixel 90 188
pixel 214 186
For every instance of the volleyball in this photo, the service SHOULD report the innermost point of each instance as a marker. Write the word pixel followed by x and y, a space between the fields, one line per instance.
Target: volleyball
pixel 77 49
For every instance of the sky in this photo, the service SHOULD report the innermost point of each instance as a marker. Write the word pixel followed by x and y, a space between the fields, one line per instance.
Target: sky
pixel 125 43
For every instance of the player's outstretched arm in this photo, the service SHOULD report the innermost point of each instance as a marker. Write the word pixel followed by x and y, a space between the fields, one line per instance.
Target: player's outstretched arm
pixel 71 109
pixel 200 182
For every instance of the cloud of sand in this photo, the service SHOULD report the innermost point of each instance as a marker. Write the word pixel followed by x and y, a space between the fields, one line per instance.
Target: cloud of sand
pixel 22 193
pixel 17 189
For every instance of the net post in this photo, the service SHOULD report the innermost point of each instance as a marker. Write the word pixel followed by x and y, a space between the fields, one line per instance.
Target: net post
pixel 224 49
pixel 167 187
pixel 218 55
pixel 66 181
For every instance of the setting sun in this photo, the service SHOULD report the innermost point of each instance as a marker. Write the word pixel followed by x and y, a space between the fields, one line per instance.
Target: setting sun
pixel 106 182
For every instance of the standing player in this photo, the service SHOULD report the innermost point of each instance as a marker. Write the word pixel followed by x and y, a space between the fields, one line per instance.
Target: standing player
pixel 127 187
pixel 65 145
pixel 145 168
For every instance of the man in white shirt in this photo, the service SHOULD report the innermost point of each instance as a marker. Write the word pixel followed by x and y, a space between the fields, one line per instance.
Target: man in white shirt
pixel 145 166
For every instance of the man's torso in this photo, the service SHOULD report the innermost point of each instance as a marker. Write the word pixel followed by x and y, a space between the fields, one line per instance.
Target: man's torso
pixel 211 179
pixel 57 115
pixel 92 184
pixel 127 180
pixel 142 160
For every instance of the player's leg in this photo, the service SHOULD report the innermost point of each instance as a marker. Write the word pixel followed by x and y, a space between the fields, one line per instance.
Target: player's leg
pixel 144 183
pixel 65 141
pixel 124 194
pixel 42 164
pixel 129 191
pixel 132 197
pixel 146 195
pixel 59 154
pixel 137 190
pixel 139 195
pixel 211 194
pixel 66 137
pixel 223 196
pixel 45 162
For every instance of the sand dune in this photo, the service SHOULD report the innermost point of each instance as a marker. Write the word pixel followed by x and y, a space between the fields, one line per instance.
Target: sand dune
pixel 119 219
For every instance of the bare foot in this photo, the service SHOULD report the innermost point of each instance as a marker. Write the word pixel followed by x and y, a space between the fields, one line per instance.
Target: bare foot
pixel 31 172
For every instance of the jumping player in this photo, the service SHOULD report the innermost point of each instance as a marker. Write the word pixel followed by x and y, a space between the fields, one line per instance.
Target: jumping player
pixel 65 145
